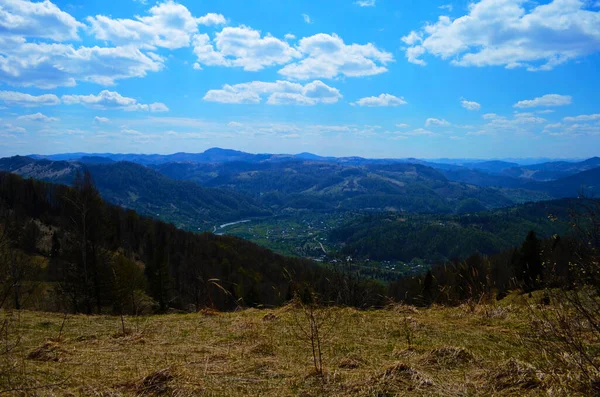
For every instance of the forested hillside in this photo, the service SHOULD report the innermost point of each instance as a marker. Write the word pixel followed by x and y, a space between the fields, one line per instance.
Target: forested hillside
pixel 97 257
pixel 144 190
pixel 440 238
pixel 327 186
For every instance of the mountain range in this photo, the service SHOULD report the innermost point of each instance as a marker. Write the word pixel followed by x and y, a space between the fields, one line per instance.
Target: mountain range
pixel 197 191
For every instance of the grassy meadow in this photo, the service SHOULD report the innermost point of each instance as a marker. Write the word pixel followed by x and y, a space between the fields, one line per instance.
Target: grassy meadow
pixel 468 350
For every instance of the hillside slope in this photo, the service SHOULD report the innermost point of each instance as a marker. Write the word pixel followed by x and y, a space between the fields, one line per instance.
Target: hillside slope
pixel 134 186
pixel 329 186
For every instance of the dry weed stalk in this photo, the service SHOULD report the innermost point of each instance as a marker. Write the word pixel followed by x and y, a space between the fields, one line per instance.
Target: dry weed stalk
pixel 313 323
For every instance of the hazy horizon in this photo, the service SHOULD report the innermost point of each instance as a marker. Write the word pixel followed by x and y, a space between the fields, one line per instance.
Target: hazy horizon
pixel 449 159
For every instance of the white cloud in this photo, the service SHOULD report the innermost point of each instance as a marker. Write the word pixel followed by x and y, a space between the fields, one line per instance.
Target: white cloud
pixel 40 19
pixel 490 116
pixel 51 65
pixel 550 100
pixel 327 56
pixel 436 122
pixel 417 132
pixel 506 33
pixel 130 131
pixel 289 36
pixel 402 125
pixel 381 100
pixel 212 19
pixel 576 129
pixel 447 7
pixel 306 18
pixel 243 47
pixel 365 3
pixel 583 117
pixel 470 105
pixel 169 25
pixel 13 98
pixel 37 117
pixel 112 100
pixel 12 128
pixel 101 120
pixel 412 38
pixel 279 93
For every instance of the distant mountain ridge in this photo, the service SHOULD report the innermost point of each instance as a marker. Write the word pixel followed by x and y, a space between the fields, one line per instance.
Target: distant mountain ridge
pixel 219 155
pixel 145 190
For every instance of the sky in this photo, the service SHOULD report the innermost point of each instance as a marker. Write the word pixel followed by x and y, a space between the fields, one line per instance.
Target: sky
pixel 371 78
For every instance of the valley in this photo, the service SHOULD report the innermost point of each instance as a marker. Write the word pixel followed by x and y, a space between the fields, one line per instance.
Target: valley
pixel 322 208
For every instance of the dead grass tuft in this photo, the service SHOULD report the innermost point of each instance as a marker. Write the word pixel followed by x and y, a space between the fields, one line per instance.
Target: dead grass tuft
pixel 403 309
pixel 157 383
pixel 86 338
pixel 514 374
pixel 351 362
pixel 404 353
pixel 49 351
pixel 448 356
pixel 263 349
pixel 209 312
pixel 396 380
pixel 270 317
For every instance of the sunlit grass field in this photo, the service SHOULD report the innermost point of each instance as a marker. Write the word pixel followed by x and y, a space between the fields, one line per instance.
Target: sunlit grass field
pixel 468 350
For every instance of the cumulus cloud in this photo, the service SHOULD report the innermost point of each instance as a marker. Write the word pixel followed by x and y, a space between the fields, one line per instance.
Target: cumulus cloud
pixel 279 93
pixel 327 56
pixel 40 19
pixel 242 47
pixel 13 98
pixel 365 3
pixel 550 100
pixel 402 125
pixel 436 122
pixel 168 25
pixel 39 117
pixel 582 117
pixel 381 100
pixel 470 105
pixel 101 120
pixel 112 100
pixel 46 65
pixel 212 19
pixel 506 33
pixel 289 36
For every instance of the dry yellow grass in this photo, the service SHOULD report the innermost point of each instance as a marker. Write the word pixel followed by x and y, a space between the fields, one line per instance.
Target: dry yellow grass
pixel 454 351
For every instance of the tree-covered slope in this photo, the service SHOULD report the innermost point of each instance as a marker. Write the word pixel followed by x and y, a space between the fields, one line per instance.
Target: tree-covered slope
pixel 442 237
pixel 134 186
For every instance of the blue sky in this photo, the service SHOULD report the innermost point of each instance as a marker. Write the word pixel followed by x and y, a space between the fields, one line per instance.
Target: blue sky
pixel 373 78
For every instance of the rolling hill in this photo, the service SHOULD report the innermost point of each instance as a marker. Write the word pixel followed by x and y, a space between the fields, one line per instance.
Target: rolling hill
pixel 134 186
pixel 332 186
